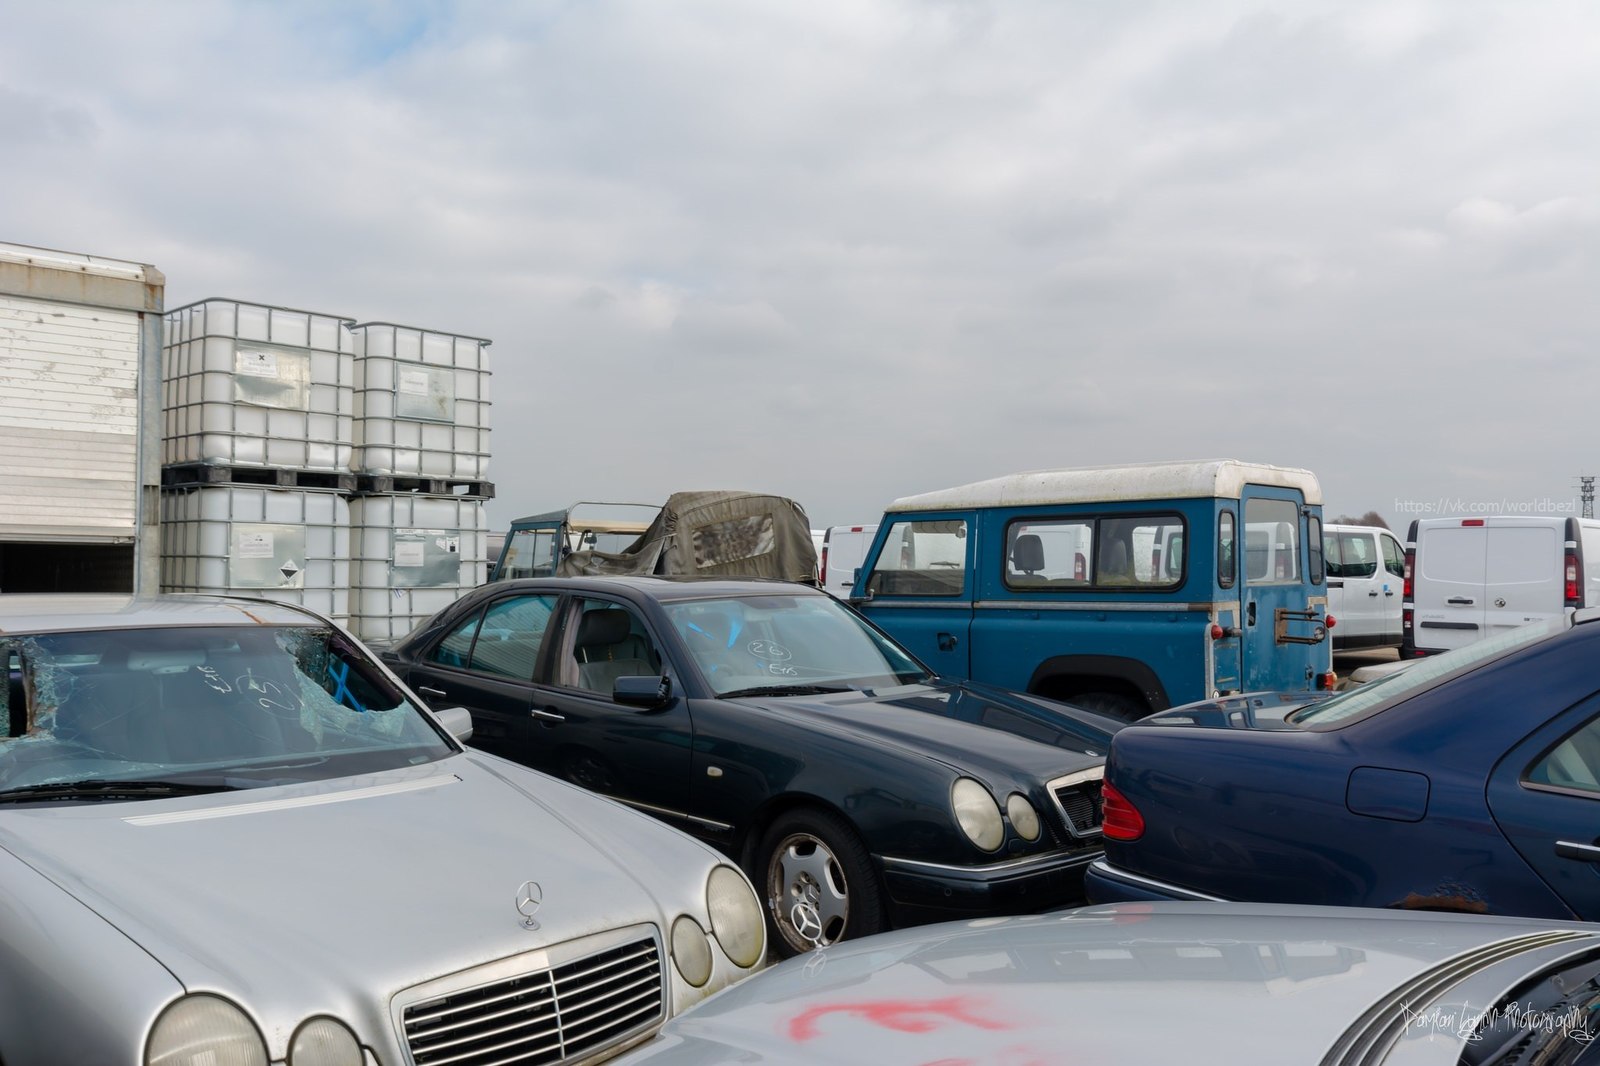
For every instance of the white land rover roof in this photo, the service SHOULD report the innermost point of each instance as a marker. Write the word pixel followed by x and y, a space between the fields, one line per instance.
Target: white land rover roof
pixel 1205 479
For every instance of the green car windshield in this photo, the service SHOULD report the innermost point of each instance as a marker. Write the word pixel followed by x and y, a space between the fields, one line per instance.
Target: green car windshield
pixel 749 644
pixel 236 706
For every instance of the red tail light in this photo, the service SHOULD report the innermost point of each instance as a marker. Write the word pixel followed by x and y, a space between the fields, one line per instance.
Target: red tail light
pixel 1472 521
pixel 1411 562
pixel 822 566
pixel 1326 682
pixel 1119 819
pixel 1574 580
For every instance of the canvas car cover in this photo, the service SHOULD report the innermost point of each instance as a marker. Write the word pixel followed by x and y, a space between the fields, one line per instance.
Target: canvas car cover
pixel 726 533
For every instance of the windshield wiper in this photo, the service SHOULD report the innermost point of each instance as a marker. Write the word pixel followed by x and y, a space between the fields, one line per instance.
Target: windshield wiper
pixel 99 788
pixel 784 690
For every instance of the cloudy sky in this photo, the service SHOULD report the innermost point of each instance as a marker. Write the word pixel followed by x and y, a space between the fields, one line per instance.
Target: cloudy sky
pixel 848 250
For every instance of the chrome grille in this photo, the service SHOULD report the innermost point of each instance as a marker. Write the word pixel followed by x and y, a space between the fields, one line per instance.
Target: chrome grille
pixel 566 1012
pixel 1077 797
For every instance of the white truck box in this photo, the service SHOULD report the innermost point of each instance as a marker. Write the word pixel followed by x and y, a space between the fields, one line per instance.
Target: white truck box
pixel 80 351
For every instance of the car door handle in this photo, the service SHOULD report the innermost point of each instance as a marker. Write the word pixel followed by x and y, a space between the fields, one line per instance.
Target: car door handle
pixel 947 642
pixel 547 716
pixel 1373 593
pixel 434 692
pixel 1568 849
pixel 1460 601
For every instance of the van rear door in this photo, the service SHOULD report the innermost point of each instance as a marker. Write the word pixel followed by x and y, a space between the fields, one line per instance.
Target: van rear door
pixel 1448 583
pixel 1523 574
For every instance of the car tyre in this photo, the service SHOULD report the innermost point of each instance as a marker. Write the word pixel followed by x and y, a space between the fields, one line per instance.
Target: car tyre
pixel 1114 704
pixel 818 882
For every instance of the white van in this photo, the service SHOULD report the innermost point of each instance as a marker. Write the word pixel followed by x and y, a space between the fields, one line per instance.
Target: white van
pixel 1366 573
pixel 843 548
pixel 1470 578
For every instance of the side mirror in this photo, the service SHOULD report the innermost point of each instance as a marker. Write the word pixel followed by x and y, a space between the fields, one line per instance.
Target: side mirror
pixel 642 691
pixel 457 721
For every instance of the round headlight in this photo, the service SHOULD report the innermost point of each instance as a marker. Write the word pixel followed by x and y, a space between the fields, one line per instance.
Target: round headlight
pixel 691 951
pixel 977 813
pixel 1024 819
pixel 736 916
pixel 324 1042
pixel 204 1030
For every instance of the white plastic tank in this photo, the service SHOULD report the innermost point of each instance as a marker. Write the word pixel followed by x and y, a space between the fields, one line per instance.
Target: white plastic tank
pixel 421 402
pixel 255 385
pixel 412 555
pixel 276 544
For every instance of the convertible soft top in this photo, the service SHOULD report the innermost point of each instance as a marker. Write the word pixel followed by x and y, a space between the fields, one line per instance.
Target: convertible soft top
pixel 725 533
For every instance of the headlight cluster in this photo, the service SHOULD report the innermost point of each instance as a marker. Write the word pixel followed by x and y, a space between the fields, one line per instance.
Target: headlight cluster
pixel 736 922
pixel 207 1030
pixel 979 816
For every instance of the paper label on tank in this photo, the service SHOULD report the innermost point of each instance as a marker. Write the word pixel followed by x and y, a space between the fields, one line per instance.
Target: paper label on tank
pixel 254 545
pixel 414 382
pixel 448 544
pixel 257 364
pixel 408 553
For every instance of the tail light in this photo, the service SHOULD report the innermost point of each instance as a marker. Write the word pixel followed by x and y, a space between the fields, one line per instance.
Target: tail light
pixel 1330 621
pixel 822 566
pixel 1119 819
pixel 1411 563
pixel 1574 579
pixel 1326 682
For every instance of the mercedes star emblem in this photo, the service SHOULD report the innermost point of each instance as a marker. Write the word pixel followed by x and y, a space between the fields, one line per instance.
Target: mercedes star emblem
pixel 807 922
pixel 529 896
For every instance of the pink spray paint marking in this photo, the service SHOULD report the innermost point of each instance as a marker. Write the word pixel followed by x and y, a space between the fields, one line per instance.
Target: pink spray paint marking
pixel 905 1016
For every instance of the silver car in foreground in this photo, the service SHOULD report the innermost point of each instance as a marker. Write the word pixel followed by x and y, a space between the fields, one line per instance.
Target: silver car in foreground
pixel 1152 984
pixel 228 837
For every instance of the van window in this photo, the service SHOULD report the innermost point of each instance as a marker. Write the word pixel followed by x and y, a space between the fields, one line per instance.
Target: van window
pixel 922 558
pixel 1394 560
pixel 1351 555
pixel 1226 568
pixel 1271 543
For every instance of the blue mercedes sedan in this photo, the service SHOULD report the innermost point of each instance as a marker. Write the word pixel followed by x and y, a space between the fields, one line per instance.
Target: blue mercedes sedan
pixel 1467 782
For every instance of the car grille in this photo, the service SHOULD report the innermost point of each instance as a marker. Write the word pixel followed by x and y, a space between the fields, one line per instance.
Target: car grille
pixel 561 1014
pixel 1077 797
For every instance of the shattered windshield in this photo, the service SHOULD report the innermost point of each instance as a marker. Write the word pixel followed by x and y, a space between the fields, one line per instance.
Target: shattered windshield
pixel 787 644
pixel 229 706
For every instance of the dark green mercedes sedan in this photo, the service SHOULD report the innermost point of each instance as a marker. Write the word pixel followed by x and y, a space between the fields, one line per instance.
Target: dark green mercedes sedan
pixel 857 789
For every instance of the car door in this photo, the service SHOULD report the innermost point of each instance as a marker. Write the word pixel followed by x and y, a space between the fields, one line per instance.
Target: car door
pixel 1284 643
pixel 634 754
pixel 1360 622
pixel 1448 583
pixel 1394 576
pixel 1545 796
pixel 919 589
pixel 485 663
pixel 1522 576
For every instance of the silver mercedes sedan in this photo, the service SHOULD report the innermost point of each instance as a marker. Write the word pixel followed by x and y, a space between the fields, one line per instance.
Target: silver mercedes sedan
pixel 229 837
pixel 1150 984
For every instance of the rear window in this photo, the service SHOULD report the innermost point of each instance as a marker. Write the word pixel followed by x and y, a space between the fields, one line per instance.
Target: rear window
pixel 1420 675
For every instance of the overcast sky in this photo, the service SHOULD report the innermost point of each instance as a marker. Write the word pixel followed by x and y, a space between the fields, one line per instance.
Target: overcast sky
pixel 849 250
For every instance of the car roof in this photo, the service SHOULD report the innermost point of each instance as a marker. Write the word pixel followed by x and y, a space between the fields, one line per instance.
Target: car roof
pixel 665 588
pixel 65 612
pixel 1203 479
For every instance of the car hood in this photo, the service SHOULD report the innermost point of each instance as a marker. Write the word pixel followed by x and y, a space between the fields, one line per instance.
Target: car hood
pixel 335 895
pixel 969 727
pixel 1229 984
pixel 1249 710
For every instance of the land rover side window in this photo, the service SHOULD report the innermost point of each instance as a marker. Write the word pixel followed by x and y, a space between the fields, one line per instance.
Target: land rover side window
pixel 1226 568
pixel 1139 552
pixel 922 558
pixel 530 554
pixel 1314 548
pixel 1049 554
pixel 1271 542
